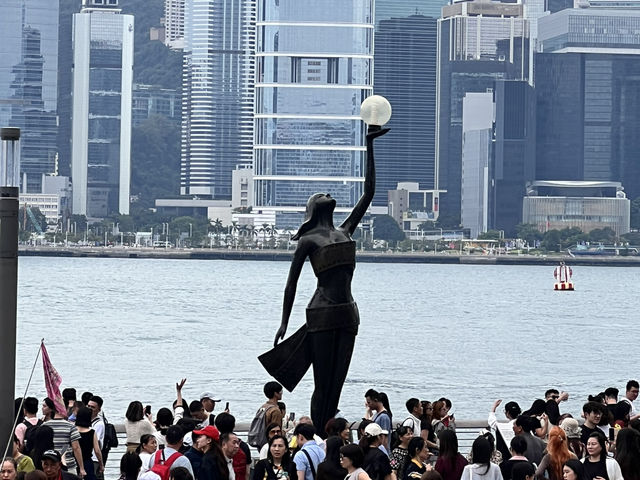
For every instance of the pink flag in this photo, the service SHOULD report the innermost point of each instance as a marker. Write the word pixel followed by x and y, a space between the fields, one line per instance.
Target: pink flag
pixel 52 381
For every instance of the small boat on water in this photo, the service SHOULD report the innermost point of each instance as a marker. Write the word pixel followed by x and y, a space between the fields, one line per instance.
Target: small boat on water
pixel 562 273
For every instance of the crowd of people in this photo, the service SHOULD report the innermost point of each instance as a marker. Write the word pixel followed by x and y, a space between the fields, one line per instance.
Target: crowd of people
pixel 189 442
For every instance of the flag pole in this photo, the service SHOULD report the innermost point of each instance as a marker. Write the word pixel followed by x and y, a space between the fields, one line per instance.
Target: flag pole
pixel 26 389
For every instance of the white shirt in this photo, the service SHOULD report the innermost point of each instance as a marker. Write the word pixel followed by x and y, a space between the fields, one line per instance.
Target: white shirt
pixel 98 425
pixel 414 423
pixel 232 473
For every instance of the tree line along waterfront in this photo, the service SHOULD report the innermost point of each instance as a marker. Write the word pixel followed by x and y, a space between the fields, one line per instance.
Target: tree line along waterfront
pixel 147 227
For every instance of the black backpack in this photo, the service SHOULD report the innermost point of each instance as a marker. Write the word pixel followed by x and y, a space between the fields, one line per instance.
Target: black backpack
pixel 110 439
pixel 30 435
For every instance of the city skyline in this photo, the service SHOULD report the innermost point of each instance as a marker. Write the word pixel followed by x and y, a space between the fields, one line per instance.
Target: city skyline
pixel 277 87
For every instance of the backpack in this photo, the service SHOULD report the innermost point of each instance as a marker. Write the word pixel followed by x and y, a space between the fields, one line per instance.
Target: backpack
pixel 257 435
pixel 162 466
pixel 30 435
pixel 110 439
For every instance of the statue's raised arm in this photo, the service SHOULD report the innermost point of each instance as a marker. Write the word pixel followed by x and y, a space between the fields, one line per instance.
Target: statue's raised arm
pixel 352 221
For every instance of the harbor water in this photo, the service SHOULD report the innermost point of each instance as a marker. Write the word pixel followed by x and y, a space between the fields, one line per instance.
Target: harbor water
pixel 128 329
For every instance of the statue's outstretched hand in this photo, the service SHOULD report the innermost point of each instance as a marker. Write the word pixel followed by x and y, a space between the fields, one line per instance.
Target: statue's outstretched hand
pixel 280 334
pixel 374 133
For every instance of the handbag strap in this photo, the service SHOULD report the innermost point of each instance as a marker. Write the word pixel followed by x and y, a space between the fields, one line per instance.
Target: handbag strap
pixel 313 469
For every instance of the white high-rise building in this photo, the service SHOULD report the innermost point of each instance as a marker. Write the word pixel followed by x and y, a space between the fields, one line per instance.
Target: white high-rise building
pixel 174 23
pixel 217 95
pixel 101 125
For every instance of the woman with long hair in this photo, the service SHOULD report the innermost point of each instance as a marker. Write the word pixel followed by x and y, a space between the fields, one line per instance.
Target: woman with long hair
pixel 400 452
pixel 214 464
pixel 440 419
pixel 43 441
pixel 572 428
pixel 557 455
pixel 88 443
pixel 573 470
pixel 426 430
pixel 136 424
pixel 538 410
pixel 351 459
pixel 628 453
pixel 481 468
pixel 330 468
pixel 339 427
pixel 385 403
pixel 278 464
pixel 597 463
pixel 450 463
pixel 328 337
pixel 419 454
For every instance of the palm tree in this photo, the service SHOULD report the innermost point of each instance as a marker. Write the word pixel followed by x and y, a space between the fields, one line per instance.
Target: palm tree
pixel 234 229
pixel 266 228
pixel 217 228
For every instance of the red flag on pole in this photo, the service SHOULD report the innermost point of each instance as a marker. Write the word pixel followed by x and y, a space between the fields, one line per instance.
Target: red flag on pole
pixel 52 381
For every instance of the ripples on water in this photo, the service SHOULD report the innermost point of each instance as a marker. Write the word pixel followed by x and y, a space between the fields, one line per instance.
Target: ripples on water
pixel 128 329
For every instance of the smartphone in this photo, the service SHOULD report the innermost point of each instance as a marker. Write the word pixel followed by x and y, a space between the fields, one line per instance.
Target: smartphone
pixel 147 410
pixel 612 434
pixel 292 415
pixel 226 407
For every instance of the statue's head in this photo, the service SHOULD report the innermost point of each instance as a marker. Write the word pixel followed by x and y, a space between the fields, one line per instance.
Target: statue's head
pixel 319 205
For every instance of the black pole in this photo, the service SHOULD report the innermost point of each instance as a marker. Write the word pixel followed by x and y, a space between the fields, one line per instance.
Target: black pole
pixel 9 204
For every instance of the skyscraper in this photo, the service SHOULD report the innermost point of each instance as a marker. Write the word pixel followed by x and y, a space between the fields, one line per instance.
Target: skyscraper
pixel 588 97
pixel 218 95
pixel 405 73
pixel 314 69
pixel 479 42
pixel 174 23
pixel 101 128
pixel 28 82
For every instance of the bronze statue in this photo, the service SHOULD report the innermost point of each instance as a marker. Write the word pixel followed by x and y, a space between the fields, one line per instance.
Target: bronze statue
pixel 328 337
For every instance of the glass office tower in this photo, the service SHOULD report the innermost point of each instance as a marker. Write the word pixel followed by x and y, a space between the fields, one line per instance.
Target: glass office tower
pixel 314 68
pixel 28 82
pixel 217 95
pixel 588 97
pixel 405 73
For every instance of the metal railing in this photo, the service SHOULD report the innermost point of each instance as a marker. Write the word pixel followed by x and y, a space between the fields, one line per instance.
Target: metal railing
pixel 467 432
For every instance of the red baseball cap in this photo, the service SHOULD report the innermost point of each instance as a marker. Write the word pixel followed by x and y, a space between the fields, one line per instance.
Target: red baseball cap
pixel 209 431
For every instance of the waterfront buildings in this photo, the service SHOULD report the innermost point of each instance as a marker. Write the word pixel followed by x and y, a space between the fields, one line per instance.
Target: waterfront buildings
pixel 217 95
pixel 28 82
pixel 314 68
pixel 479 42
pixel 101 127
pixel 554 205
pixel 588 97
